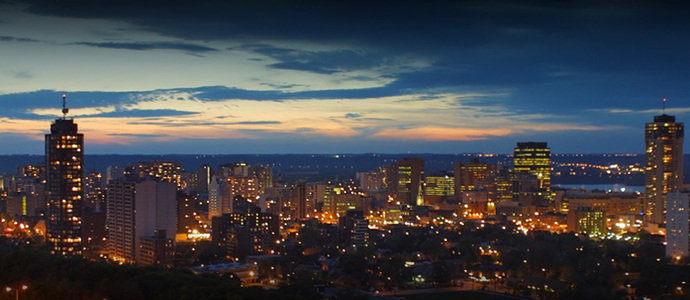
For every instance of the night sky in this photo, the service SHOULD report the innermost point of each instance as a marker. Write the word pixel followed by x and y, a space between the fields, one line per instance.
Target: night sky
pixel 342 77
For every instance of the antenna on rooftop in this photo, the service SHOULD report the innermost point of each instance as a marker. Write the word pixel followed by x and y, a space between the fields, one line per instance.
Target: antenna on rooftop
pixel 663 106
pixel 65 110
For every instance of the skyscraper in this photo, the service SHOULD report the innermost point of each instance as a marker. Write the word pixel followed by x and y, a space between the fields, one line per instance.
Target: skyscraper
pixel 406 181
pixel 534 158
pixel 64 175
pixel 664 169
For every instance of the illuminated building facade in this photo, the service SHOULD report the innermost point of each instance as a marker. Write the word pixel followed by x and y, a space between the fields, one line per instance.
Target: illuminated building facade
pixel 64 174
pixel 340 203
pixel 534 158
pixel 254 233
pixel 354 228
pixel 263 175
pixel 373 181
pixel 677 224
pixel 664 169
pixel 406 179
pixel 218 202
pixel 612 204
pixel 308 195
pixel 243 186
pixel 437 188
pixel 587 220
pixel 94 195
pixel 504 185
pixel 164 171
pixel 474 176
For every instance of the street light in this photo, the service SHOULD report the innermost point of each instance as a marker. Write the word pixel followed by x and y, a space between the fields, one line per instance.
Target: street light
pixel 24 287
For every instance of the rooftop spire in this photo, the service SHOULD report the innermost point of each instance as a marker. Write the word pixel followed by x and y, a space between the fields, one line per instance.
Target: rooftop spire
pixel 663 106
pixel 65 110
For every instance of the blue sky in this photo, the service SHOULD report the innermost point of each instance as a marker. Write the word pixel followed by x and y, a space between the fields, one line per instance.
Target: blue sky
pixel 343 77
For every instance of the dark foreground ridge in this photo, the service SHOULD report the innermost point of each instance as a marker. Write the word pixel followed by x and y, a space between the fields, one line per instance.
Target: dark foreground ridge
pixel 53 277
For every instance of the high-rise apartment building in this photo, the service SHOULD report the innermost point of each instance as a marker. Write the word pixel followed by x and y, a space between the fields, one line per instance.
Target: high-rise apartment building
pixel 677 224
pixel 264 177
pixel 405 184
pixel 201 179
pixel 64 175
pixel 120 219
pixel 254 234
pixel 94 197
pixel 664 169
pixel 137 210
pixel 534 158
pixel 308 195
pixel 164 171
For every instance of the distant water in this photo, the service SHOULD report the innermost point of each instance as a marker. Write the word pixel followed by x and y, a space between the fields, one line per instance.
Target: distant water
pixel 606 187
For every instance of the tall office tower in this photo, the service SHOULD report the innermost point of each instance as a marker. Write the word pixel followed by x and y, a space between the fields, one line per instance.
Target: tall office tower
pixel 474 175
pixel 135 211
pixel 264 177
pixel 405 184
pixel 534 158
pixel 664 169
pixel 504 185
pixel 677 224
pixel 64 174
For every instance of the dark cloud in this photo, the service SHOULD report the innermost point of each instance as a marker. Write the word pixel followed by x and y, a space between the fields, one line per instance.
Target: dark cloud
pixel 138 135
pixel 283 85
pixel 141 113
pixel 150 46
pixel 255 123
pixel 308 67
pixel 321 62
pixel 22 75
pixel 353 115
pixel 185 124
pixel 513 44
pixel 4 38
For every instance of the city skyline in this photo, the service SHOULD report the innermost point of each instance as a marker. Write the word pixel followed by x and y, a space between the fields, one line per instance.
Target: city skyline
pixel 470 77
